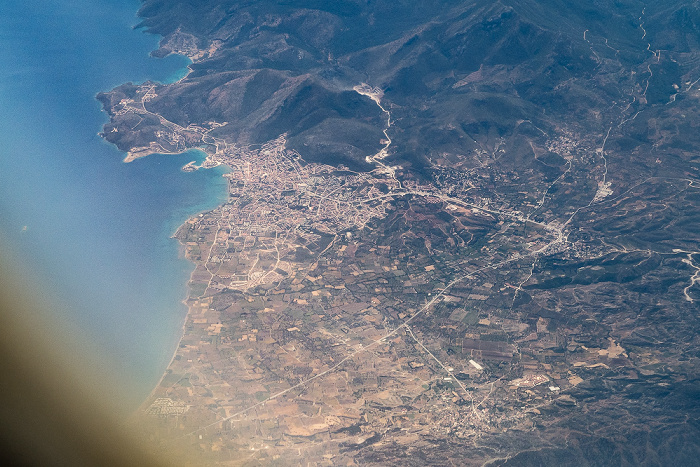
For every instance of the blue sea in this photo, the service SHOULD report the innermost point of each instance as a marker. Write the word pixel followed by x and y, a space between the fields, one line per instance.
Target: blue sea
pixel 94 230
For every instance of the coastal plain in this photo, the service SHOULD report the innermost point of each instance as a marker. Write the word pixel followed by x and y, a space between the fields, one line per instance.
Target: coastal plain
pixel 461 233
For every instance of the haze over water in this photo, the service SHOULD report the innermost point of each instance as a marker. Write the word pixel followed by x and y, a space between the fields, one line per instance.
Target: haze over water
pixel 94 230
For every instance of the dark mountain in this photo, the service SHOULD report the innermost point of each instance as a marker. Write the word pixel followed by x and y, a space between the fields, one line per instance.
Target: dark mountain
pixel 457 76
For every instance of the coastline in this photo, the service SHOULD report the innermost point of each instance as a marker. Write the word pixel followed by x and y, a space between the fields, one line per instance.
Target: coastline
pixel 143 152
pixel 149 398
pixel 182 253
pixel 131 156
